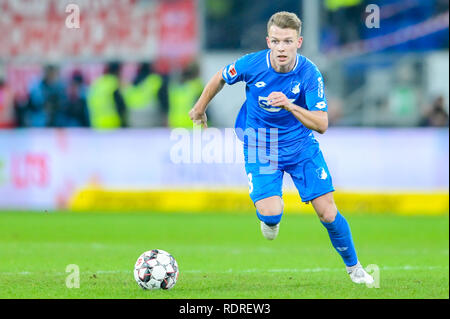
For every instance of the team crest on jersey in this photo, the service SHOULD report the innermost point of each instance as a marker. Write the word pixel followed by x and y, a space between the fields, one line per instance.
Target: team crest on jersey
pixel 295 87
pixel 232 71
pixel 321 173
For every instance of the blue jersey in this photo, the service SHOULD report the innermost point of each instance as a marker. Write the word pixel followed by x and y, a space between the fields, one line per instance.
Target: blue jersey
pixel 303 86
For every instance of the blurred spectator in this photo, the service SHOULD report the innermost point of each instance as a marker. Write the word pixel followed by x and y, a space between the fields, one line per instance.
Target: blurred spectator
pixel 342 22
pixel 106 105
pixel 221 18
pixel 245 20
pixel 142 98
pixel 184 90
pixel 436 115
pixel 45 99
pixel 6 106
pixel 21 102
pixel 404 96
pixel 76 111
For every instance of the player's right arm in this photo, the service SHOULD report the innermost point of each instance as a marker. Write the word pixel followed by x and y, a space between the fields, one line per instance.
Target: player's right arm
pixel 198 112
pixel 230 74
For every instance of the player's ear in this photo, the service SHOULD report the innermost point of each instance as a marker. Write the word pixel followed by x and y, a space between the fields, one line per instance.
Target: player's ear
pixel 300 41
pixel 268 42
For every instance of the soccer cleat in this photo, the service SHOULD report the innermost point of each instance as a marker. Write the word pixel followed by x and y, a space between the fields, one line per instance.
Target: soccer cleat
pixel 359 275
pixel 270 232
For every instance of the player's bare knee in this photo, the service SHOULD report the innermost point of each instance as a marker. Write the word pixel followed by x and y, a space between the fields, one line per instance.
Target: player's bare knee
pixel 328 217
pixel 270 210
pixel 270 206
pixel 325 207
pixel 326 211
pixel 327 214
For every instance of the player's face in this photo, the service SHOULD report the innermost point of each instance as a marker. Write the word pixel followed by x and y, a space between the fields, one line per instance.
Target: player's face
pixel 284 44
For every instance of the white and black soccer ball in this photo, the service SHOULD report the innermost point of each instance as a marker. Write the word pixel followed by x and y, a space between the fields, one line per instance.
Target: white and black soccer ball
pixel 156 269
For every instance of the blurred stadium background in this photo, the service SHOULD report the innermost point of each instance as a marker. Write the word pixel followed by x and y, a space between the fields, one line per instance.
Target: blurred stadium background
pixel 86 111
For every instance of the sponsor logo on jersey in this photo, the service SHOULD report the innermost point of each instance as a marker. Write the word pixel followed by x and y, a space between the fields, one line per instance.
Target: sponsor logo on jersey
pixel 321 105
pixel 263 102
pixel 320 87
pixel 260 84
pixel 232 71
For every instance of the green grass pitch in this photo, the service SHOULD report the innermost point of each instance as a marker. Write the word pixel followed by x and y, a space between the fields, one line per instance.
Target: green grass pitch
pixel 220 256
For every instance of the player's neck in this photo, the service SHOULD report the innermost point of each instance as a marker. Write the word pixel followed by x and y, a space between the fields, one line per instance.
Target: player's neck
pixel 281 68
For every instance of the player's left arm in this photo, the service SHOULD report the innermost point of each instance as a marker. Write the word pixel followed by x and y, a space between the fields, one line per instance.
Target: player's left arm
pixel 314 120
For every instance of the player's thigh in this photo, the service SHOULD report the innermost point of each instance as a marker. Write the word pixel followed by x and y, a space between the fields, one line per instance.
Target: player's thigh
pixel 311 177
pixel 262 184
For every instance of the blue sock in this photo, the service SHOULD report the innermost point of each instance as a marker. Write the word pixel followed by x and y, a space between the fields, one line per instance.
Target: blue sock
pixel 269 220
pixel 341 238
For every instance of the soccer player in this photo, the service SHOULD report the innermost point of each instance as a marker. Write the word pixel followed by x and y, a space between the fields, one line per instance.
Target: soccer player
pixel 285 102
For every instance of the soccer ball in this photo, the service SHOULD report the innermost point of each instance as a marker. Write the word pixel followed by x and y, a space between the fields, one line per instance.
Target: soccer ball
pixel 156 269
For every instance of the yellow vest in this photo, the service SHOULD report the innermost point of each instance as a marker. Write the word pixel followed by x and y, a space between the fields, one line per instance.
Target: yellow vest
pixel 182 98
pixel 144 94
pixel 101 104
pixel 334 5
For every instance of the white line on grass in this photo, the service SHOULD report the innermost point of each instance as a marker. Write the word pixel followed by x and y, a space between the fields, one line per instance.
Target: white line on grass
pixel 285 270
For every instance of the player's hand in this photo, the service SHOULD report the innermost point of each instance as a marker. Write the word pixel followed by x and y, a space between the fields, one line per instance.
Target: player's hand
pixel 280 100
pixel 199 118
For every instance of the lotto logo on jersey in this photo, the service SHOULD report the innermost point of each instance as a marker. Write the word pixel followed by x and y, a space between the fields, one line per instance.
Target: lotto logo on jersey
pixel 232 71
pixel 321 105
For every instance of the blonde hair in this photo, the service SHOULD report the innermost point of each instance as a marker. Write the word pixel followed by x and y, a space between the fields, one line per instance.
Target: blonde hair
pixel 285 20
